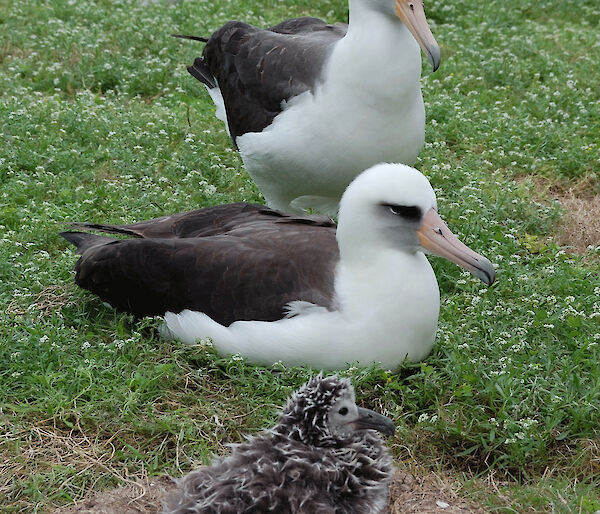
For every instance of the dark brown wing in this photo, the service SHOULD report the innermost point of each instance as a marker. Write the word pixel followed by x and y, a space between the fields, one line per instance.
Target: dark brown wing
pixel 211 221
pixel 249 273
pixel 257 69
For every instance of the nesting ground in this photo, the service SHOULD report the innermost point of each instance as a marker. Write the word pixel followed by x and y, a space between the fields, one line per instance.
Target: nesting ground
pixel 99 121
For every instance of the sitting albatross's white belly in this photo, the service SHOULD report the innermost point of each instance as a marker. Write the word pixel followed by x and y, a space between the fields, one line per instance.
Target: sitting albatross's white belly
pixel 385 302
pixel 310 105
pixel 274 287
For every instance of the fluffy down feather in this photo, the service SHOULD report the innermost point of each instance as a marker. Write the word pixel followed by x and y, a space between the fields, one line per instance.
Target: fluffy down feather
pixel 299 466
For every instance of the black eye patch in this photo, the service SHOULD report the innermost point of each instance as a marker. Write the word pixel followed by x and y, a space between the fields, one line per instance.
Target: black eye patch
pixel 410 212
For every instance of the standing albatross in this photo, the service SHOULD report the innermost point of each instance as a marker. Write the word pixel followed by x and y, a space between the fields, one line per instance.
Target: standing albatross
pixel 274 287
pixel 310 105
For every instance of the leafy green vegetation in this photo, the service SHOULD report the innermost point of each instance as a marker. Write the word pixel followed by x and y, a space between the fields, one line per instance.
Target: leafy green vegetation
pixel 99 121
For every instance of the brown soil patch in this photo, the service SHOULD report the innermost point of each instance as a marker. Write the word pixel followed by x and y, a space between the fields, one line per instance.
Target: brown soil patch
pixel 428 493
pixel 140 497
pixel 579 227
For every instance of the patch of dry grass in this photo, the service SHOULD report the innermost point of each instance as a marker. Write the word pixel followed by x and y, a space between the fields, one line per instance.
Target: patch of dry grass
pixel 142 496
pixel 47 450
pixel 579 227
pixel 426 492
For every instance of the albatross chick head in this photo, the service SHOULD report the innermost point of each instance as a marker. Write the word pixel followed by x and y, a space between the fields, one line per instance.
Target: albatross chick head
pixel 324 413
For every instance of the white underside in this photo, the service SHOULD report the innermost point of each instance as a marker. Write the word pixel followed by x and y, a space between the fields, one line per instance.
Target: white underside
pixel 368 110
pixel 217 98
pixel 388 313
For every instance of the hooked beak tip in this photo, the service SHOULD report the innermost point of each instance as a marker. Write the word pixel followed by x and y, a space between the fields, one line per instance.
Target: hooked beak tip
pixel 434 56
pixel 438 239
pixel 487 274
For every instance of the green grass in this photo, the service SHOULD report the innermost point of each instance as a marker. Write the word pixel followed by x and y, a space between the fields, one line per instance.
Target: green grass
pixel 99 121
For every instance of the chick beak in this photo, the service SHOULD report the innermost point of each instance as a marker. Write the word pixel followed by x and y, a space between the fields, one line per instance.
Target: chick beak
pixel 370 420
pixel 412 14
pixel 436 237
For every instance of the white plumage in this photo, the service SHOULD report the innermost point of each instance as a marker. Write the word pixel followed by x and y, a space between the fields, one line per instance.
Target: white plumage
pixel 310 105
pixel 367 109
pixel 386 294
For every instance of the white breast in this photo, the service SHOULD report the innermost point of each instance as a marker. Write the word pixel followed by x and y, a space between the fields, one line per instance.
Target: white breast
pixel 369 109
pixel 387 314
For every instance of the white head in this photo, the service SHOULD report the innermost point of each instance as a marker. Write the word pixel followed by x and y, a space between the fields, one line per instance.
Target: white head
pixel 384 207
pixel 412 15
pixel 393 206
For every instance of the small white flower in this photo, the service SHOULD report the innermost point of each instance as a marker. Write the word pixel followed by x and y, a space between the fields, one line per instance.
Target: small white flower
pixel 423 417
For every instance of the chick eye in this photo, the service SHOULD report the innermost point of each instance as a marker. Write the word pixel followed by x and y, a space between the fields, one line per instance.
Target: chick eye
pixel 411 212
pixel 343 411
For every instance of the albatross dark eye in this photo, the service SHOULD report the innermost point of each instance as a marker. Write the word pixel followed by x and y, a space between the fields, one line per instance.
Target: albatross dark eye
pixel 343 411
pixel 411 212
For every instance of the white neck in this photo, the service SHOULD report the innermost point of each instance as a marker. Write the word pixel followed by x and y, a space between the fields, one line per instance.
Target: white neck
pixel 392 275
pixel 384 51
pixel 381 42
pixel 362 15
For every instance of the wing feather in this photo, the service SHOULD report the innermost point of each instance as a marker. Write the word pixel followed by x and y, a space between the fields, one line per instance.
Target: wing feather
pixel 229 269
pixel 259 69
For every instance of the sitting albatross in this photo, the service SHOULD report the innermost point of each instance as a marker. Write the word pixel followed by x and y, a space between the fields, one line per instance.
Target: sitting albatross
pixel 322 456
pixel 274 287
pixel 310 105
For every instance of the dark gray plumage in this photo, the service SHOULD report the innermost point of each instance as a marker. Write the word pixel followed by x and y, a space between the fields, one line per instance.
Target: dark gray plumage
pixel 233 262
pixel 320 458
pixel 258 69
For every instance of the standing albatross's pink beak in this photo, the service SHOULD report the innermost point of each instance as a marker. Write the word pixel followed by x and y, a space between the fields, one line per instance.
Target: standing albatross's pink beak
pixel 412 14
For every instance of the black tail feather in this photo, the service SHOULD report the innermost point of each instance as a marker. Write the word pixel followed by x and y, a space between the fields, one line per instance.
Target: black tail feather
pixel 109 229
pixel 83 240
pixel 194 38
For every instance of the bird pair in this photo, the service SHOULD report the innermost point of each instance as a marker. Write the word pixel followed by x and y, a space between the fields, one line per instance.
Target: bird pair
pixel 309 105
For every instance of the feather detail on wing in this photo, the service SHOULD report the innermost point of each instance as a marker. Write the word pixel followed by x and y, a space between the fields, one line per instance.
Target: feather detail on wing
pixel 257 70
